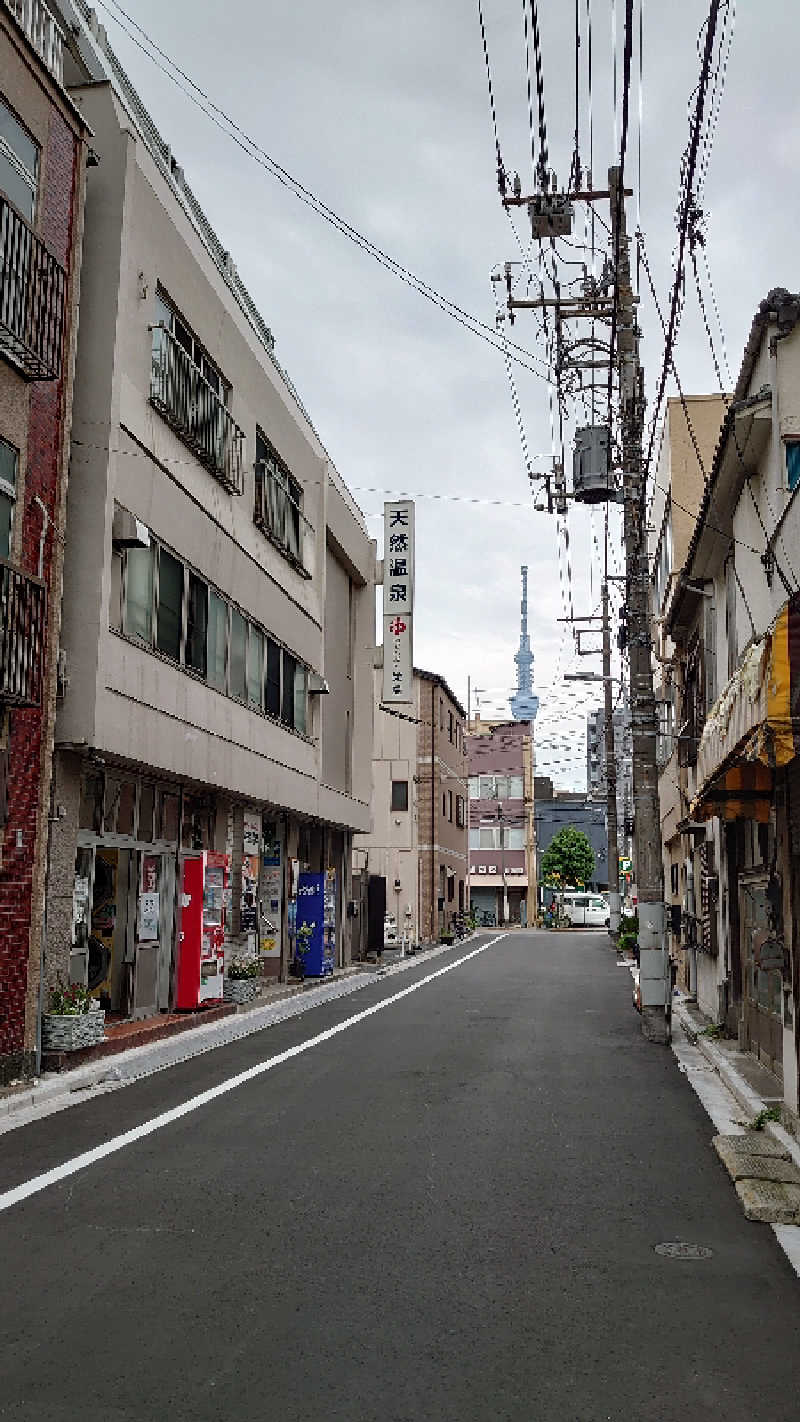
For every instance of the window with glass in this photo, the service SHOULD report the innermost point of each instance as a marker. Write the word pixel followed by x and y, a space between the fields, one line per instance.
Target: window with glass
pixel 9 458
pixel 217 641
pixel 197 626
pixel 169 613
pixel 168 318
pixel 255 667
pixel 278 498
pixel 300 697
pixel 273 679
pixel 399 794
pixel 168 606
pixel 238 655
pixel 460 811
pixel 19 163
pixel 287 697
pixel 793 463
pixel 138 618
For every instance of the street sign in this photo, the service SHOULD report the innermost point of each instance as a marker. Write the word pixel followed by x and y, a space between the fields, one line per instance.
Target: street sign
pixel 398 601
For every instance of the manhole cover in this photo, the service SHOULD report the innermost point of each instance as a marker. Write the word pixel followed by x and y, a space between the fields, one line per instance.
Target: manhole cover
pixel 679 1249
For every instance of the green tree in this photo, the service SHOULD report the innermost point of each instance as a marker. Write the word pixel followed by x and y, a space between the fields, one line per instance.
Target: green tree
pixel 568 859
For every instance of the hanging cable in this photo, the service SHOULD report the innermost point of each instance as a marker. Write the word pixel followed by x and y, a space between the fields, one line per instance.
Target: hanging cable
pixel 688 171
pixel 248 145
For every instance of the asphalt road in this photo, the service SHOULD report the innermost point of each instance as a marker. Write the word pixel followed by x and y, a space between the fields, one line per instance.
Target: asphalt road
pixel 445 1211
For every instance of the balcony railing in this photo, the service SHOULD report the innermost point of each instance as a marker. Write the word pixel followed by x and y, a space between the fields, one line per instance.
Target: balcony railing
pixel 23 620
pixel 44 34
pixel 32 288
pixel 181 393
pixel 278 514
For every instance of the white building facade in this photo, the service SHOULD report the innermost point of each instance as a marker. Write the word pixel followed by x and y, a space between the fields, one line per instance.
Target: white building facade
pixel 734 615
pixel 218 628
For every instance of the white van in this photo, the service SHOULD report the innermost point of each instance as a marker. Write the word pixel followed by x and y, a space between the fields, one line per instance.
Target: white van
pixel 585 910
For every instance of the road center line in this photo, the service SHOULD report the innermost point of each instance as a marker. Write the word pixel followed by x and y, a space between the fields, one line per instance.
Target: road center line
pixel 166 1118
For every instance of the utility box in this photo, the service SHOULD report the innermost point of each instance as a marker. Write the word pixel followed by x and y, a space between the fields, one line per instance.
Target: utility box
pixel 551 215
pixel 592 479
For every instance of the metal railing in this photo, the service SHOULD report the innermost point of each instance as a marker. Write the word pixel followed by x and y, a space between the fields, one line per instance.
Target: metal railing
pixel 44 34
pixel 278 514
pixel 32 291
pixel 23 621
pixel 181 393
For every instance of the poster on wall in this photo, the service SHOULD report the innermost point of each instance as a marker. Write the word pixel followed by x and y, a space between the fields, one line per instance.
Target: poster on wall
pixel 252 833
pixel 271 896
pixel 147 926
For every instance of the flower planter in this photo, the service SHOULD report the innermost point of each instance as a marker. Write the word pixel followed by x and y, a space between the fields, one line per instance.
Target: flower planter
pixel 70 1032
pixel 240 990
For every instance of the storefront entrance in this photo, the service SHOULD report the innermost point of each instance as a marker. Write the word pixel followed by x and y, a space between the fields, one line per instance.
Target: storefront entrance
pixel 122 927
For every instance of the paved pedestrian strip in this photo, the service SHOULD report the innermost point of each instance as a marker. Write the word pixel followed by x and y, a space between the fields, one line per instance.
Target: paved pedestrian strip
pixel 481 1196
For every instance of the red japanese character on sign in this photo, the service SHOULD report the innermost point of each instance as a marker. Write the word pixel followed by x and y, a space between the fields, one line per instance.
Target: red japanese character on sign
pixel 397 626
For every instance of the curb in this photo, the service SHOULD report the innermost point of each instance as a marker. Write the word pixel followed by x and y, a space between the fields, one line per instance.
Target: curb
pixel 110 1073
pixel 745 1097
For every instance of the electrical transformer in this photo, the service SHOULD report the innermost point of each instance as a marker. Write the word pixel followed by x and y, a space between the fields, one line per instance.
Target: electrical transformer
pixel 592 478
pixel 550 215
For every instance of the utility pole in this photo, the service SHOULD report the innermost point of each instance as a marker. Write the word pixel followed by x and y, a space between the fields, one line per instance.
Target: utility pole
pixel 502 831
pixel 611 772
pixel 654 972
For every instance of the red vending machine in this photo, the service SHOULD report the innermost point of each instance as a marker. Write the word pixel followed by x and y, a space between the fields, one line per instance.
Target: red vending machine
pixel 201 952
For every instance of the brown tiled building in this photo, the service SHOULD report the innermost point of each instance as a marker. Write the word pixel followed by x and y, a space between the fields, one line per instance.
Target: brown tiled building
pixel 43 152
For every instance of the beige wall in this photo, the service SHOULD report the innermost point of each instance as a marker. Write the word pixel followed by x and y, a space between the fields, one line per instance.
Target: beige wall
pixel 127 700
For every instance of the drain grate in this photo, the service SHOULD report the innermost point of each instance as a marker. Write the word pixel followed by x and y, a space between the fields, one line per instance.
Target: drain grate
pixel 679 1249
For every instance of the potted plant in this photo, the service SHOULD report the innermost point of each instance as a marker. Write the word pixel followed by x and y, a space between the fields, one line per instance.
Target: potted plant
pixel 240 984
pixel 303 938
pixel 75 1019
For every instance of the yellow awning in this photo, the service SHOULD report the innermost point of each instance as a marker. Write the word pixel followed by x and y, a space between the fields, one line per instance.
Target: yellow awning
pixel 753 728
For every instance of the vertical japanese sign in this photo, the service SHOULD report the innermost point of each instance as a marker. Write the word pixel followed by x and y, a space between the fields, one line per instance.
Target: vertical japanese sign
pixel 398 601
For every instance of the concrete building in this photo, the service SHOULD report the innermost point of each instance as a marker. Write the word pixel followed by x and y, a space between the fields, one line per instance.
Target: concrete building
pixel 502 857
pixel 218 628
pixel 418 840
pixel 676 495
pixel 734 618
pixel 43 154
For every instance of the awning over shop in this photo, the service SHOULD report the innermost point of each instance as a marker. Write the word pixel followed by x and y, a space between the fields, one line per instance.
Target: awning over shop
pixel 754 726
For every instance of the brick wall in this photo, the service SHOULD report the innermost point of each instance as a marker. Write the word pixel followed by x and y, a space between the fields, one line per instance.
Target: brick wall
pixel 441 758
pixel 24 840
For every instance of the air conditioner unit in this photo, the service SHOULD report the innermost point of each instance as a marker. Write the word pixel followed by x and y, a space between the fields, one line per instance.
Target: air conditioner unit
pixel 481 868
pixel 491 868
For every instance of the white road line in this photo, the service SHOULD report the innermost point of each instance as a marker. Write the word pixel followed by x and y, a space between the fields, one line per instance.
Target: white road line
pixel 157 1123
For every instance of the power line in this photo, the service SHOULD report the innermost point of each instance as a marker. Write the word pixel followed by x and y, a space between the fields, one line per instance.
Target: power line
pixel 687 199
pixel 249 146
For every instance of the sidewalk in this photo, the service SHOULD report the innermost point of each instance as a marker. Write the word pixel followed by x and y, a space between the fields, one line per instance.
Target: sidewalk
pixel 115 1063
pixel 735 1090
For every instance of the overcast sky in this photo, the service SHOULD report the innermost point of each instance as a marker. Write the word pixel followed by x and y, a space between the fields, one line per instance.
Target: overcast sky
pixel 382 110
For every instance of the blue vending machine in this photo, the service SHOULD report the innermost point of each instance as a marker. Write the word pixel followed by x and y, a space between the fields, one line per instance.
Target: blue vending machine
pixel 314 946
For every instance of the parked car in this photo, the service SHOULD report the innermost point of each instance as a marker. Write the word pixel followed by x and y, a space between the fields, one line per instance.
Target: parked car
pixel 585 910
